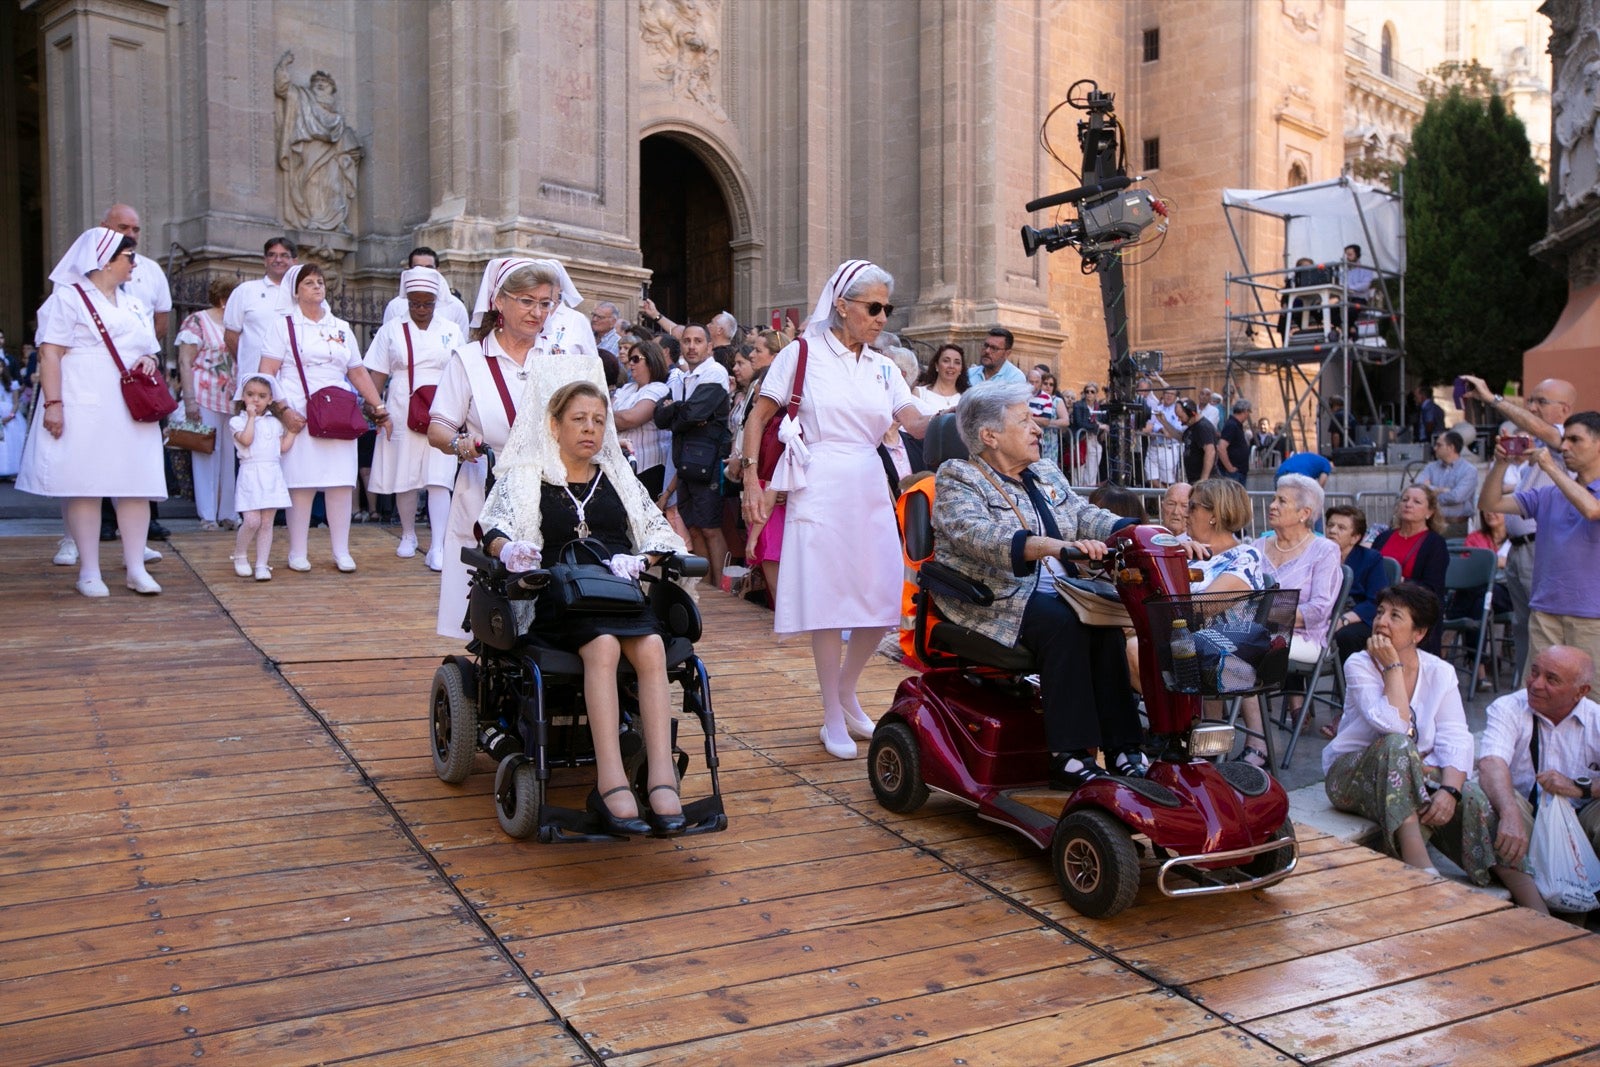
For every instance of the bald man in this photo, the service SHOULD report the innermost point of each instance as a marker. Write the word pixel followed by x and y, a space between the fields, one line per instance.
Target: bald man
pixel 1556 710
pixel 1175 509
pixel 147 282
pixel 1548 407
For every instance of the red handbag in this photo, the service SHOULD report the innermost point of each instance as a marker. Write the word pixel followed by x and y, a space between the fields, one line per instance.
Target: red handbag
pixel 772 449
pixel 147 396
pixel 331 412
pixel 420 411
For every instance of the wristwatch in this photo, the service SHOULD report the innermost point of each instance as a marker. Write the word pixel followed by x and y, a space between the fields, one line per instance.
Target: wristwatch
pixel 1586 786
pixel 1452 790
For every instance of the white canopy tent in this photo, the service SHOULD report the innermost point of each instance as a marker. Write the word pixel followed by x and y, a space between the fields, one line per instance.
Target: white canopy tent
pixel 1319 220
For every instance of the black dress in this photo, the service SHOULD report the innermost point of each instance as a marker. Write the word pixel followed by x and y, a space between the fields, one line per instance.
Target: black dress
pixel 608 524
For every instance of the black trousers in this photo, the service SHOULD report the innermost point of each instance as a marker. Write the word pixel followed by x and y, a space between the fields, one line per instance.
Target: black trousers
pixel 1083 679
pixel 1351 638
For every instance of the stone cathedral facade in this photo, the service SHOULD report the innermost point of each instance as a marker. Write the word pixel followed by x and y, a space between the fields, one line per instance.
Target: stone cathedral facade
pixel 728 152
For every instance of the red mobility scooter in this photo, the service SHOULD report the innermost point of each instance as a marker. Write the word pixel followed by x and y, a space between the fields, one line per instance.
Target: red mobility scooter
pixel 971 727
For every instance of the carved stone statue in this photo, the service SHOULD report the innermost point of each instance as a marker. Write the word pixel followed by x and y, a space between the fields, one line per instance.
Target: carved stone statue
pixel 685 37
pixel 317 152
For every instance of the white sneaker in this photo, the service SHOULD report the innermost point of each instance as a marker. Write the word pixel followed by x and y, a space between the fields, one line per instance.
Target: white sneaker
pixel 93 587
pixel 407 548
pixel 67 555
pixel 435 559
pixel 241 566
pixel 346 564
pixel 143 584
pixel 263 573
pixel 299 563
pixel 151 555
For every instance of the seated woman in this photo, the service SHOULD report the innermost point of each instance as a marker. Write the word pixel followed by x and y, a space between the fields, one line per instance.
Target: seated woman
pixel 1416 543
pixel 1403 751
pixel 1003 518
pixel 585 490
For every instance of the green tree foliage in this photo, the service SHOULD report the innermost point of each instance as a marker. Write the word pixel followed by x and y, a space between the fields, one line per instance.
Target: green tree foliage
pixel 1474 201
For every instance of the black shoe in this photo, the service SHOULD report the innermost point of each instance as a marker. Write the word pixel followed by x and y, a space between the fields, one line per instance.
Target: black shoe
pixel 1069 771
pixel 666 825
pixel 158 532
pixel 621 827
pixel 108 533
pixel 1131 763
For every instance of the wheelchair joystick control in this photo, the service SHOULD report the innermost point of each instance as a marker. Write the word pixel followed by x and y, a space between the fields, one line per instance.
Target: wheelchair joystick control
pixel 497 742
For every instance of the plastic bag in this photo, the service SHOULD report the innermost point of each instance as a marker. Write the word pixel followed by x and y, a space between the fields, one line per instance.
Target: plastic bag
pixel 1565 868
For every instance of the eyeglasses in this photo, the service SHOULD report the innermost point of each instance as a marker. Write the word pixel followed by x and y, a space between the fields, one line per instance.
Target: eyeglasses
pixel 528 303
pixel 874 307
pixel 635 359
pixel 993 346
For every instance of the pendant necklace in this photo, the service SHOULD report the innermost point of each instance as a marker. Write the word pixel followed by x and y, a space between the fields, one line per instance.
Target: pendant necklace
pixel 579 505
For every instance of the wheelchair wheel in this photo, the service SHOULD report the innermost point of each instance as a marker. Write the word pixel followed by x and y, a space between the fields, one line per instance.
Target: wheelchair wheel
pixel 1095 862
pixel 518 793
pixel 454 724
pixel 894 767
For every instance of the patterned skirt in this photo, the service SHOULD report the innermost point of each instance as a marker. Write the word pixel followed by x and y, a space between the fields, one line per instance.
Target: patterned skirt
pixel 1388 783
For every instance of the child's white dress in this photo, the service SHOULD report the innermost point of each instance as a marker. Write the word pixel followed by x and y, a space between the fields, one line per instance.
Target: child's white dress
pixel 260 484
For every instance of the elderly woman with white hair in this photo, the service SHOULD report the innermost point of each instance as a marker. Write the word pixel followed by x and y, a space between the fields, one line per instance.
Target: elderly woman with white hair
pixel 406 360
pixel 514 362
pixel 841 546
pixel 1003 518
pixel 1299 559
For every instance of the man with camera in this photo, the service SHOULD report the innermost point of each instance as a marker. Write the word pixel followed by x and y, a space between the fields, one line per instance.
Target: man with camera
pixel 695 411
pixel 1565 595
pixel 1536 425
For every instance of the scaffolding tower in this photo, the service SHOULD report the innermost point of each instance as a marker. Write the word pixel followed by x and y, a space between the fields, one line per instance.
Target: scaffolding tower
pixel 1319 327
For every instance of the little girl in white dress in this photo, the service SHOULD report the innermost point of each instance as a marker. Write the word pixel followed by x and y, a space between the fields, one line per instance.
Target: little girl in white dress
pixel 259 490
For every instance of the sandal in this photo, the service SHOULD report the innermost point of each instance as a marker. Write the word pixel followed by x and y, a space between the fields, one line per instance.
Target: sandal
pixel 1254 757
pixel 1329 730
pixel 664 824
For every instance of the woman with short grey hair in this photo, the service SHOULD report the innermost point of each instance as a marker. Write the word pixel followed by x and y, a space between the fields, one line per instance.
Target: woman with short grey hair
pixel 841 545
pixel 1299 559
pixel 984 408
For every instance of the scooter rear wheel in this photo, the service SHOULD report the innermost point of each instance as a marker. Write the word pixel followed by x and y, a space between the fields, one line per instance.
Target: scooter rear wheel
pixel 1095 862
pixel 894 767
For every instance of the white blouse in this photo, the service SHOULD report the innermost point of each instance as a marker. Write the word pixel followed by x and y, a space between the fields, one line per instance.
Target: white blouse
pixel 1442 735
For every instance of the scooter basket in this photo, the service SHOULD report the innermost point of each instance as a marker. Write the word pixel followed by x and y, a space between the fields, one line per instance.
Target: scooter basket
pixel 1240 641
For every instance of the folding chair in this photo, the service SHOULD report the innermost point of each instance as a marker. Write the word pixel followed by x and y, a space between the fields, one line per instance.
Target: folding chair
pixel 1326 664
pixel 1470 568
pixel 1391 567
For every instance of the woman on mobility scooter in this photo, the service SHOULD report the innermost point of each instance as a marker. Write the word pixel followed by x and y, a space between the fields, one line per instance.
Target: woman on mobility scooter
pixel 1003 518
pixel 564 479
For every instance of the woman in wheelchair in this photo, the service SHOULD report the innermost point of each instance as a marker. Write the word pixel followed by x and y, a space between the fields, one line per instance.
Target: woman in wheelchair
pixel 573 484
pixel 1003 518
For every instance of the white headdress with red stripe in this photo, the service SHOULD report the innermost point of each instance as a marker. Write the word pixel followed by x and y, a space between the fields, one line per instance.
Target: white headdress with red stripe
pixel 90 252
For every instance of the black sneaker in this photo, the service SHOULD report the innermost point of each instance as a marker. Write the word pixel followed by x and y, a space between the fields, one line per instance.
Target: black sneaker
pixel 1132 763
pixel 108 533
pixel 1068 772
pixel 157 532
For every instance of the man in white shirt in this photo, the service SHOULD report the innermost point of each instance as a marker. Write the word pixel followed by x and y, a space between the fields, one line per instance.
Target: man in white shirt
pixel 148 281
pixel 449 307
pixel 251 308
pixel 1542 739
pixel 994 360
pixel 695 412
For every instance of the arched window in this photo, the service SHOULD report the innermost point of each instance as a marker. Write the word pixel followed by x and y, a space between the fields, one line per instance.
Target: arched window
pixel 1386 51
pixel 1297 175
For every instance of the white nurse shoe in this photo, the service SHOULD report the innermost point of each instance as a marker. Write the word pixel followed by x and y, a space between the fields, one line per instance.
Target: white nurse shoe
pixel 93 588
pixel 845 749
pixel 407 547
pixel 435 559
pixel 299 563
pixel 141 582
pixel 66 553
pixel 347 564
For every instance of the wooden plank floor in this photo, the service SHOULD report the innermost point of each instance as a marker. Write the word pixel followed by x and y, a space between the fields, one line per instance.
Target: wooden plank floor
pixel 223 837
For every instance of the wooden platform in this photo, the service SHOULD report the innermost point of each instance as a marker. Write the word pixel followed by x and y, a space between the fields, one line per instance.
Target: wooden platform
pixel 222 839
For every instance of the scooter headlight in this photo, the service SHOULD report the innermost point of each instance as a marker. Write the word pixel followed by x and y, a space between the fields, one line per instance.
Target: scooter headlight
pixel 1211 739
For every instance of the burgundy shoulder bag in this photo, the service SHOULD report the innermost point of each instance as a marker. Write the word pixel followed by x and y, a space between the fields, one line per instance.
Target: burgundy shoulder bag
pixel 420 411
pixel 147 396
pixel 332 411
pixel 772 449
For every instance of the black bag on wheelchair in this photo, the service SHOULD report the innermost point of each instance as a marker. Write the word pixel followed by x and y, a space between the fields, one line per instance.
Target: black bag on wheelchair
pixel 582 584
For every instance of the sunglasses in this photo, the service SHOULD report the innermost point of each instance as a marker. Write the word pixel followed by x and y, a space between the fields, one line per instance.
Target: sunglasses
pixel 874 308
pixel 635 359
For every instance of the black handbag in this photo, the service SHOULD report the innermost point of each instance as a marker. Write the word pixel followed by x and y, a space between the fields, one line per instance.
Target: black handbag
pixel 582 584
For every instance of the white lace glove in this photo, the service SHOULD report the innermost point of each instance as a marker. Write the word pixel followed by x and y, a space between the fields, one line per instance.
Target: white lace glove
pixel 519 556
pixel 626 566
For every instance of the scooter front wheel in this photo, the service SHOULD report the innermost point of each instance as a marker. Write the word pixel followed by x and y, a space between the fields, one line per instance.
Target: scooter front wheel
pixel 894 767
pixel 1095 862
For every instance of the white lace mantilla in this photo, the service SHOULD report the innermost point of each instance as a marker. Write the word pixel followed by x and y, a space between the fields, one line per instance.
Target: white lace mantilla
pixel 531 458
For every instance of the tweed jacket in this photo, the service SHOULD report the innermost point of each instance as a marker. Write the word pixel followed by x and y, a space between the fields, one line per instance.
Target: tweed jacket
pixel 975 530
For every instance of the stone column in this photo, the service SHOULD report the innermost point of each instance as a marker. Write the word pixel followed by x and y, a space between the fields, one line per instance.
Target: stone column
pixel 105 69
pixel 983 79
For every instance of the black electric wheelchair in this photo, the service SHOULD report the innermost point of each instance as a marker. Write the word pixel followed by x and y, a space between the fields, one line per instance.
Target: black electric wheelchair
pixel 521 701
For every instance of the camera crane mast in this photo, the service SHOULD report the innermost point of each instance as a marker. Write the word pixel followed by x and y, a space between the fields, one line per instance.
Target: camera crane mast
pixel 1110 221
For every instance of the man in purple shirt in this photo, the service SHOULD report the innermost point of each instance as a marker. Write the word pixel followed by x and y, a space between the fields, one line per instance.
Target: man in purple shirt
pixel 1565 600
